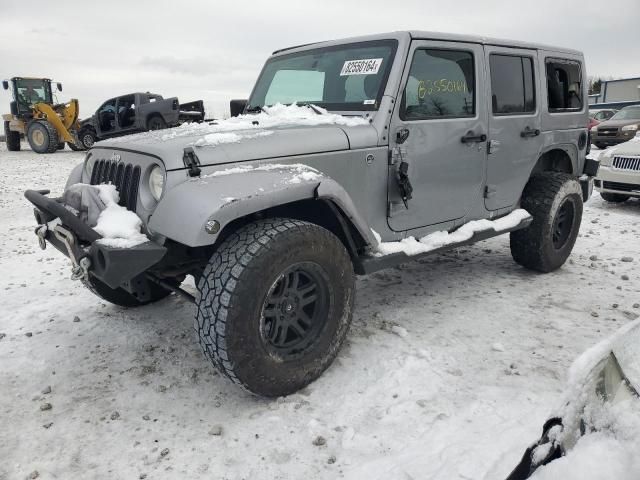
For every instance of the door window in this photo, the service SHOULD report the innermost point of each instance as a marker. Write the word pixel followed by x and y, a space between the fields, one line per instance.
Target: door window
pixel 564 85
pixel 107 115
pixel 512 84
pixel 126 111
pixel 440 85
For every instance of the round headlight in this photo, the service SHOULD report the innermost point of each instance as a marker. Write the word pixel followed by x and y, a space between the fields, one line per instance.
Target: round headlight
pixel 156 182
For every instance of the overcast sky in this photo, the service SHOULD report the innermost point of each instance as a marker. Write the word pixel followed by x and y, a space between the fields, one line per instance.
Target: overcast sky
pixel 214 50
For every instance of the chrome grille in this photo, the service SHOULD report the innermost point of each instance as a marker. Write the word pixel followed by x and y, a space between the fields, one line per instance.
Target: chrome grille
pixel 125 176
pixel 608 131
pixel 627 163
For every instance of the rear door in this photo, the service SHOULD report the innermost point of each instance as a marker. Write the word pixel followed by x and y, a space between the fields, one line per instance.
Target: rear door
pixel 514 122
pixel 447 127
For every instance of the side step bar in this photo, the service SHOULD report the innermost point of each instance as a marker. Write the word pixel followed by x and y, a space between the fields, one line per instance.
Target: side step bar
pixel 368 264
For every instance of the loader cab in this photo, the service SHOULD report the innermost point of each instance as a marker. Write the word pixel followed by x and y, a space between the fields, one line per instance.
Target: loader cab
pixel 27 92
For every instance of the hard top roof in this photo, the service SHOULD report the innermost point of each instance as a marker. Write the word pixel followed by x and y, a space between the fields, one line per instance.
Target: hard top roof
pixel 424 35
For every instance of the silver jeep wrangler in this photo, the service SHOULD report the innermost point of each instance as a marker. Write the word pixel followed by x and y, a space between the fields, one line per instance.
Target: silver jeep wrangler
pixel 348 157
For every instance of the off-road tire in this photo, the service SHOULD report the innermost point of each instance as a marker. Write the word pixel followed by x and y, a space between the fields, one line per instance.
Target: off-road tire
pixel 156 122
pixel 234 291
pixel 121 297
pixel 87 138
pixel 549 197
pixel 614 197
pixel 61 146
pixel 11 138
pixel 48 134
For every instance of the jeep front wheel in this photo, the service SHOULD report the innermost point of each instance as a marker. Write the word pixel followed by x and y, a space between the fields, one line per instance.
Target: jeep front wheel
pixel 555 202
pixel 274 305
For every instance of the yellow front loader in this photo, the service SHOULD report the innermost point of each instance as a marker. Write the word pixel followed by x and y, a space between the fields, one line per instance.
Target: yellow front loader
pixel 47 126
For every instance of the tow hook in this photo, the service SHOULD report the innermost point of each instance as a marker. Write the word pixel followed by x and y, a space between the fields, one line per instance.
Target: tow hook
pixel 79 267
pixel 41 233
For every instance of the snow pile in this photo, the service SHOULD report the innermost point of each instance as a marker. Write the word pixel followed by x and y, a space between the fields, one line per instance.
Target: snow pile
pixel 609 448
pixel 411 246
pixel 275 116
pixel 119 227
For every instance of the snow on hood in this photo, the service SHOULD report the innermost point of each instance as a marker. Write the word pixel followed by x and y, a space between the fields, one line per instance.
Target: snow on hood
pixel 279 131
pixel 235 129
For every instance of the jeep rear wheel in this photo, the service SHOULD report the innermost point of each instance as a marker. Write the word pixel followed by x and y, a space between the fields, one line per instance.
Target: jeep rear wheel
pixel 42 137
pixel 274 305
pixel 11 138
pixel 555 202
pixel 614 197
pixel 122 298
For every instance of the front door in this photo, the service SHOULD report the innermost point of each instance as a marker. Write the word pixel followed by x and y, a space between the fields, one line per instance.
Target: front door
pixel 514 123
pixel 106 118
pixel 446 121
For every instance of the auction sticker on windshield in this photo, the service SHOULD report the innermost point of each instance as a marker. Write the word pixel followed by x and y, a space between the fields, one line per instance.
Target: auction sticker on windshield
pixel 367 66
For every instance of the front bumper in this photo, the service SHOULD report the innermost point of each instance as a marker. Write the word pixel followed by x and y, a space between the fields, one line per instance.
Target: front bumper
pixel 612 180
pixel 618 138
pixel 116 267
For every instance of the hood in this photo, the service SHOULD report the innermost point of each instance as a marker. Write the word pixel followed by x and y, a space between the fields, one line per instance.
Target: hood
pixel 631 148
pixel 618 123
pixel 280 131
pixel 627 352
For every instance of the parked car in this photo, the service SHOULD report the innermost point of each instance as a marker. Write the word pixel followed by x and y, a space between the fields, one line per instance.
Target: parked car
pixel 602 397
pixel 350 156
pixel 602 115
pixel 618 178
pixel 137 112
pixel 620 128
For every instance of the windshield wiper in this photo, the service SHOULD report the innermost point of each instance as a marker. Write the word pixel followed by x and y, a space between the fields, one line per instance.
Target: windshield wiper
pixel 256 109
pixel 313 107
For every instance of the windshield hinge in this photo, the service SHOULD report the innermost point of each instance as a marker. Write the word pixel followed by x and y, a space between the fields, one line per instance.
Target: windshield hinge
pixel 191 161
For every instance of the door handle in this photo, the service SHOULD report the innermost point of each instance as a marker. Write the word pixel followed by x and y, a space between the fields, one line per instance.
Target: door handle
pixel 530 132
pixel 471 138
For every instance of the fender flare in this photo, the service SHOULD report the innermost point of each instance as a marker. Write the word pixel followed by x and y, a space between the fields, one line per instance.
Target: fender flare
pixel 225 196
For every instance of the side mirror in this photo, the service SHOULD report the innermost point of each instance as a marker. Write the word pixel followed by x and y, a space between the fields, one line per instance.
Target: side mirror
pixel 59 85
pixel 5 85
pixel 237 107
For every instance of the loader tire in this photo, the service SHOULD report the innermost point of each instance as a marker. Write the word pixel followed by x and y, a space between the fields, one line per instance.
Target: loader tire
pixel 42 137
pixel 11 138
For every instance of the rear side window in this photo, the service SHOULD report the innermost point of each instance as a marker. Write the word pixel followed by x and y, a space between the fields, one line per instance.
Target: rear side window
pixel 512 84
pixel 440 85
pixel 564 85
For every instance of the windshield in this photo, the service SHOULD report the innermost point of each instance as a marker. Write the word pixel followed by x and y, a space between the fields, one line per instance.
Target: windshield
pixel 345 77
pixel 627 114
pixel 32 91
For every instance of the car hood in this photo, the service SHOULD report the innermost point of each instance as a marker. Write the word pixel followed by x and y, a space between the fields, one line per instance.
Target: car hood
pixel 245 144
pixel 618 123
pixel 276 132
pixel 627 352
pixel 632 148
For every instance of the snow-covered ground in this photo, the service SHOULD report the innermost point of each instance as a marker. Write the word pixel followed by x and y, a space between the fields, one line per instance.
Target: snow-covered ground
pixel 451 367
